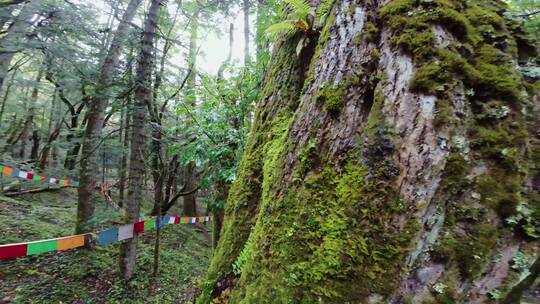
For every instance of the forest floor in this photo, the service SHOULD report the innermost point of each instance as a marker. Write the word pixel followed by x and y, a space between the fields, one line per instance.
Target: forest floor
pixel 92 276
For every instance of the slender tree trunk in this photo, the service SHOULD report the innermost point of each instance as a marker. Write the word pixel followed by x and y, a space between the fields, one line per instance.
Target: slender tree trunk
pixel 378 170
pixel 9 44
pixel 229 54
pixel 52 132
pixel 6 94
pixel 27 128
pixel 159 170
pixel 125 155
pixel 34 152
pixel 122 183
pixel 172 173
pixel 245 10
pixel 143 96
pixel 98 104
pixel 190 201
pixel 124 141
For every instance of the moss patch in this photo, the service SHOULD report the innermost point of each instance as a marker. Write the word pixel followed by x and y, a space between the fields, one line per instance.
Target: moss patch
pixel 332 98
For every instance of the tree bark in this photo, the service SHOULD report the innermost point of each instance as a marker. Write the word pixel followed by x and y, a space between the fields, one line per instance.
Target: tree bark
pixel 6 94
pixel 122 180
pixel 125 155
pixel 378 169
pixel 190 201
pixel 143 96
pixel 98 104
pixel 27 128
pixel 245 10
pixel 157 110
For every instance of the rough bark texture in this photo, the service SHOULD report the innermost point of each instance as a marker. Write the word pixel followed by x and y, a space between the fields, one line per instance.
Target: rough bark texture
pixel 393 161
pixel 143 96
pixel 96 113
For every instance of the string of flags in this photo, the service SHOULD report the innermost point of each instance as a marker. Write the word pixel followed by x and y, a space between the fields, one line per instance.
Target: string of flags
pixel 14 172
pixel 102 238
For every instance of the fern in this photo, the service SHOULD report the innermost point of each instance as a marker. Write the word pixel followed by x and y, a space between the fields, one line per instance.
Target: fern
pixel 301 8
pixel 238 265
pixel 323 10
pixel 286 27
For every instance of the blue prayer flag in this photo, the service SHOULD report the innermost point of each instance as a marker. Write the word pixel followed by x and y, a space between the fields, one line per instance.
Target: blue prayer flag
pixel 107 236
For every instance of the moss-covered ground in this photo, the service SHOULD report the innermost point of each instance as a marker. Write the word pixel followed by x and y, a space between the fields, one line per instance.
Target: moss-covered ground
pixel 91 276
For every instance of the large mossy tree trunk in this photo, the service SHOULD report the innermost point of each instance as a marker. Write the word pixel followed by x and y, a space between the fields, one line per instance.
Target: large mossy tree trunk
pixel 390 162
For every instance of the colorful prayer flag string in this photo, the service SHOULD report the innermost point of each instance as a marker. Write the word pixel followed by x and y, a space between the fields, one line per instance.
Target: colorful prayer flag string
pixel 14 172
pixel 103 238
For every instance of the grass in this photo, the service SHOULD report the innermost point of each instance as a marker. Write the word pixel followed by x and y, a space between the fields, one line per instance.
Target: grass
pixel 92 276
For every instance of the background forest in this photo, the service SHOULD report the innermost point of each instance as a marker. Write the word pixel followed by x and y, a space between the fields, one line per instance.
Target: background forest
pixel 148 104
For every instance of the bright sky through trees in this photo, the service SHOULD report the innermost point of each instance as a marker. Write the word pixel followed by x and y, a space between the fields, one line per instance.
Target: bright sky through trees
pixel 214 41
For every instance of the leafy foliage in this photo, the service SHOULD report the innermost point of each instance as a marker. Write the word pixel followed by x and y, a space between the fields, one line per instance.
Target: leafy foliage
pixel 298 19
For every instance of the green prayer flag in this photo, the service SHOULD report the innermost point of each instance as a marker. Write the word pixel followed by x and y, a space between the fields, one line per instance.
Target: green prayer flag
pixel 37 178
pixel 149 224
pixel 41 247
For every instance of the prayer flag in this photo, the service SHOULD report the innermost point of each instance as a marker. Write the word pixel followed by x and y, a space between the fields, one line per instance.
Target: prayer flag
pixel 12 251
pixel 107 236
pixel 149 224
pixel 7 170
pixel 125 232
pixel 41 247
pixel 22 174
pixel 138 227
pixel 71 242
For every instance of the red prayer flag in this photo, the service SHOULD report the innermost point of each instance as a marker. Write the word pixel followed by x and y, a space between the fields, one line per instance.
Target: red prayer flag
pixel 177 220
pixel 29 175
pixel 138 227
pixel 12 251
